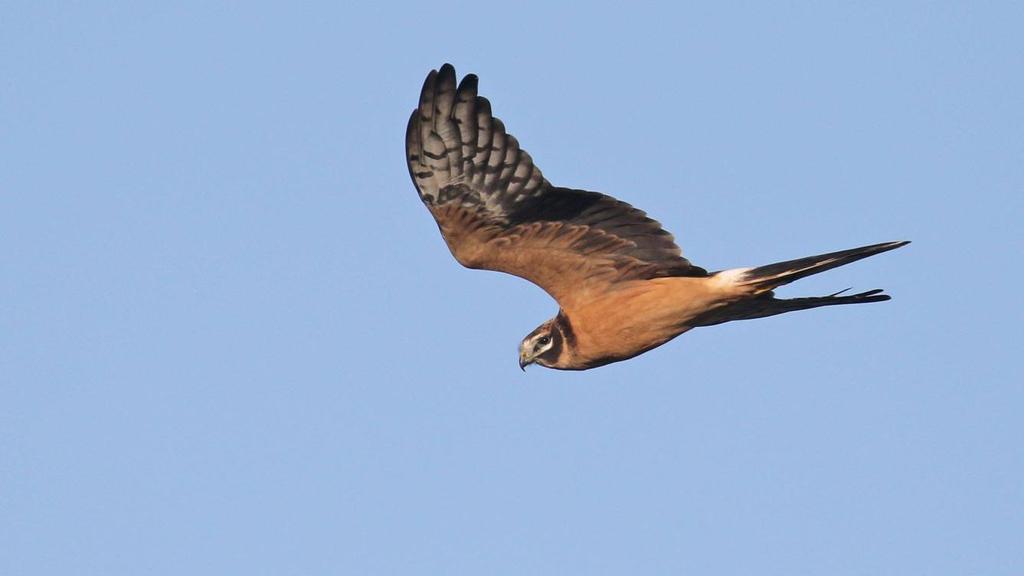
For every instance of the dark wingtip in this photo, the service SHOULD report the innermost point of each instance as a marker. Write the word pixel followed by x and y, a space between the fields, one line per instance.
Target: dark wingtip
pixel 447 71
pixel 483 105
pixel 431 76
pixel 469 82
pixel 427 92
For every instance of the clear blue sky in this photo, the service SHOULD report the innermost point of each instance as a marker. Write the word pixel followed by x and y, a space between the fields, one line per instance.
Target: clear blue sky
pixel 233 342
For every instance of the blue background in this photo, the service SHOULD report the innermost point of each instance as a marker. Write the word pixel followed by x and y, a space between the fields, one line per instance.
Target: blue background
pixel 233 342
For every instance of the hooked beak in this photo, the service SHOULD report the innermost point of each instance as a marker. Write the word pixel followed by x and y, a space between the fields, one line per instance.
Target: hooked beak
pixel 524 361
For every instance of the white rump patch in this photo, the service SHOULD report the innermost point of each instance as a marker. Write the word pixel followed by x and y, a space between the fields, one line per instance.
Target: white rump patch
pixel 733 276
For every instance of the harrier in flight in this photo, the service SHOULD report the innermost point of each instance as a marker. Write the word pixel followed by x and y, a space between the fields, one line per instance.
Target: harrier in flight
pixel 620 280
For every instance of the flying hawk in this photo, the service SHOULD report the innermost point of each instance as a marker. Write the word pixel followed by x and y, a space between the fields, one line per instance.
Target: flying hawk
pixel 621 282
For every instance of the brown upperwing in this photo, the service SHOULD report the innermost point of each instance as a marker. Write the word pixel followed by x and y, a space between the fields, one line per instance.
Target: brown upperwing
pixel 497 212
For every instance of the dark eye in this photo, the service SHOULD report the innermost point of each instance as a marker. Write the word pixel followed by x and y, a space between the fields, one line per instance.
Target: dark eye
pixel 543 341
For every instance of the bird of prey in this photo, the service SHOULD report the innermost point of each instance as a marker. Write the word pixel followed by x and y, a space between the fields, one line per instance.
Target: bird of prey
pixel 621 282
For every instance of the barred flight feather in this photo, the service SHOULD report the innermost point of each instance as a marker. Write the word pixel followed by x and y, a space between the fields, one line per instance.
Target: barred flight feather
pixel 460 155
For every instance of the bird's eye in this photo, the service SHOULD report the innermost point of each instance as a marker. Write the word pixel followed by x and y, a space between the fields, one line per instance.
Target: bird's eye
pixel 543 341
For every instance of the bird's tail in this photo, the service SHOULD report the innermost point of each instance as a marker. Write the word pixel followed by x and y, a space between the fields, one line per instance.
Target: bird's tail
pixel 768 305
pixel 754 286
pixel 766 278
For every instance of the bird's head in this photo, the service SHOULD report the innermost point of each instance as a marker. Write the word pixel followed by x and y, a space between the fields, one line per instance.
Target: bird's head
pixel 546 344
pixel 542 346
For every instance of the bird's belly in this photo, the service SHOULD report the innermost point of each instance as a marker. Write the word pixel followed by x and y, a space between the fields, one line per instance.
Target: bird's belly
pixel 633 322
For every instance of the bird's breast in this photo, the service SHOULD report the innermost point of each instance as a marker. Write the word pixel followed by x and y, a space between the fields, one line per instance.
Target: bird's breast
pixel 636 318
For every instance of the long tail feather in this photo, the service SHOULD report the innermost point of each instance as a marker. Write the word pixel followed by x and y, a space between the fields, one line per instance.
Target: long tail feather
pixel 768 277
pixel 768 305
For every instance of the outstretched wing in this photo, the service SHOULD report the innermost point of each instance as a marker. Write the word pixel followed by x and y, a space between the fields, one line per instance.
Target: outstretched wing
pixel 497 212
